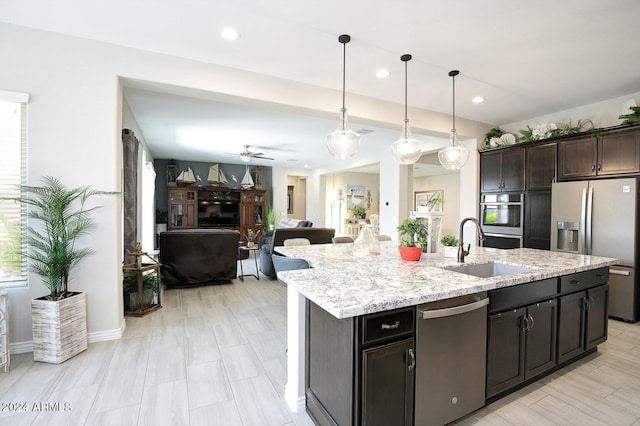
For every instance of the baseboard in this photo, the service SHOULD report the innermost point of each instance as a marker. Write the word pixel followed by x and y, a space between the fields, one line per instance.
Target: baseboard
pixel 98 336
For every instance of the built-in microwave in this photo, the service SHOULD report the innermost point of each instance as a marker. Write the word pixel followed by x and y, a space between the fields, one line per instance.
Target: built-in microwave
pixel 502 215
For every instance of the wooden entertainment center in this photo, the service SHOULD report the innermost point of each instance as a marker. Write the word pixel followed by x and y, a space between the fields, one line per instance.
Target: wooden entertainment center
pixel 216 208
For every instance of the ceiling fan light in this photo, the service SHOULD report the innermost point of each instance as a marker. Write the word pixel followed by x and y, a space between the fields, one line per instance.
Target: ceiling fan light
pixel 245 158
pixel 407 149
pixel 343 142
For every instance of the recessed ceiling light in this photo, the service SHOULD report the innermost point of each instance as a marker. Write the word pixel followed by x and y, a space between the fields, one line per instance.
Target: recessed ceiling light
pixel 382 73
pixel 229 33
pixel 477 100
pixel 306 165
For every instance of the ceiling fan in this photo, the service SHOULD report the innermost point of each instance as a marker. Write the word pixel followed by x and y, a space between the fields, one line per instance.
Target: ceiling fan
pixel 247 155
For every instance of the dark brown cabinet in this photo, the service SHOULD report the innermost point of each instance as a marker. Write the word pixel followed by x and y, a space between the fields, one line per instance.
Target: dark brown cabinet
pixel 540 166
pixel 253 210
pixel 502 170
pixel 615 153
pixel 521 344
pixel 360 371
pixel 582 321
pixel 183 208
pixel 537 220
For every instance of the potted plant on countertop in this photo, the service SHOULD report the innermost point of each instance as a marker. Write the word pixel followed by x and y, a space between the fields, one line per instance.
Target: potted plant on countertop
pixel 413 233
pixel 450 243
pixel 60 318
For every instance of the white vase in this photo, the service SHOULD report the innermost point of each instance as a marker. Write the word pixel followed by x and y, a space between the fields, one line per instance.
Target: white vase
pixel 59 328
pixel 450 251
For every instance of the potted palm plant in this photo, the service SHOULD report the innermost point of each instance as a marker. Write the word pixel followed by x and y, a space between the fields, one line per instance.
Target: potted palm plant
pixel 59 318
pixel 414 235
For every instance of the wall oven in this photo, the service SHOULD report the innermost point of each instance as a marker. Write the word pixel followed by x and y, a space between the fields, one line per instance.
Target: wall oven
pixel 502 220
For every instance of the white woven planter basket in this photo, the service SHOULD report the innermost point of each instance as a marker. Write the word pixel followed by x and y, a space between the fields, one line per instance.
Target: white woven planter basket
pixel 59 328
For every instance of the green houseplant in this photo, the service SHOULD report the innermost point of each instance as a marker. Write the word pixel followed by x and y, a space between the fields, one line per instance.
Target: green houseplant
pixel 270 219
pixel 62 214
pixel 359 212
pixel 414 237
pixel 130 290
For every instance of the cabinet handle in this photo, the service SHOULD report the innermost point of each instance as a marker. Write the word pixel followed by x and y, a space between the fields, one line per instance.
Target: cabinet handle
pixel 574 282
pixel 391 326
pixel 531 324
pixel 593 167
pixel 599 167
pixel 413 359
pixel 585 303
pixel 525 320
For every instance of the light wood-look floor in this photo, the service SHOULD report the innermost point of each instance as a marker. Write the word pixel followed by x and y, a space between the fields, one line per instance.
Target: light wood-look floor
pixel 216 355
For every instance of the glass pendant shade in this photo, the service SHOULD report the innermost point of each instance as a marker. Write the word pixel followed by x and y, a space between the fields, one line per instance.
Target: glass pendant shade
pixel 343 143
pixel 454 156
pixel 406 150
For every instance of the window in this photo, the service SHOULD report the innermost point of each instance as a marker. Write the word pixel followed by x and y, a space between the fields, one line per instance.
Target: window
pixel 13 173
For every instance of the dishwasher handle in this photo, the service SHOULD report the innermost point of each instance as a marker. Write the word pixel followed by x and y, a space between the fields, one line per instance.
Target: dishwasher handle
pixel 455 310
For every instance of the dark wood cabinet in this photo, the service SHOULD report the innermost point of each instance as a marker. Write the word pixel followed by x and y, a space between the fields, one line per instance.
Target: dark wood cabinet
pixel 521 344
pixel 502 170
pixel 537 220
pixel 582 312
pixel 183 208
pixel 540 166
pixel 387 384
pixel 360 371
pixel 216 208
pixel 616 152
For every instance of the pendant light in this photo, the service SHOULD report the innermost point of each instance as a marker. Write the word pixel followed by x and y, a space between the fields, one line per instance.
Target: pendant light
pixel 406 150
pixel 343 143
pixel 454 156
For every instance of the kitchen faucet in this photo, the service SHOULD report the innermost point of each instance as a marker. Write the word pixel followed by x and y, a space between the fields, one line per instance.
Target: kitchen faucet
pixel 461 251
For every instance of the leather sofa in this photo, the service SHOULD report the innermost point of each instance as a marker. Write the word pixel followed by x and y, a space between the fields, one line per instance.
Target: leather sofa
pixel 314 235
pixel 198 256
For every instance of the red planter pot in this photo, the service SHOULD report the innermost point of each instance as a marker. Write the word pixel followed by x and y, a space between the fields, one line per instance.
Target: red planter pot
pixel 410 253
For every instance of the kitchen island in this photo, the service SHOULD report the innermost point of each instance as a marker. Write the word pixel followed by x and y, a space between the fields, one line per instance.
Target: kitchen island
pixel 347 286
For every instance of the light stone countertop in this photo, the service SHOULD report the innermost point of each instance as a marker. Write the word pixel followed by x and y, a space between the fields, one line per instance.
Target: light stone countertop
pixel 346 285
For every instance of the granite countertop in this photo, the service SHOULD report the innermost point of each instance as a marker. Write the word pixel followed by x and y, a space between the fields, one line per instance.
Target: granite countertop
pixel 346 285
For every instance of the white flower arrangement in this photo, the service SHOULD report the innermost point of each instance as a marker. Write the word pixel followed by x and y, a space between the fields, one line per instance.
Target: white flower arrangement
pixel 543 131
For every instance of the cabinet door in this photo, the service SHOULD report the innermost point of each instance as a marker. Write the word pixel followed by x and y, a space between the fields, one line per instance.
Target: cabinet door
pixel 540 166
pixel 597 316
pixel 191 209
pixel 387 384
pixel 619 153
pixel 490 174
pixel 540 338
pixel 505 350
pixel 577 158
pixel 537 220
pixel 512 165
pixel 571 325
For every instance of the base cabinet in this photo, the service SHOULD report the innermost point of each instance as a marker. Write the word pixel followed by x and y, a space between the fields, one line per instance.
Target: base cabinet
pixel 582 321
pixel 360 371
pixel 521 344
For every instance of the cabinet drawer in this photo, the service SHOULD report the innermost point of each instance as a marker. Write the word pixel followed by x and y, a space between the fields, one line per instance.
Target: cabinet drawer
pixel 385 325
pixel 521 295
pixel 583 280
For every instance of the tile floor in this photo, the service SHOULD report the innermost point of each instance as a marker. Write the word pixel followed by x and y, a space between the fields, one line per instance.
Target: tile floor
pixel 216 355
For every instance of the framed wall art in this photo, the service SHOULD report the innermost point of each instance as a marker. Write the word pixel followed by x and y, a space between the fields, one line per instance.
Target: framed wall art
pixel 429 201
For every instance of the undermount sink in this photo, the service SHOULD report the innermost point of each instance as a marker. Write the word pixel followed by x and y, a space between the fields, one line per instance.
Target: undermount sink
pixel 489 269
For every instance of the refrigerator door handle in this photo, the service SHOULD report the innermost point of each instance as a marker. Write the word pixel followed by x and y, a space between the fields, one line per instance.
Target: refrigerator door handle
pixel 583 223
pixel 589 248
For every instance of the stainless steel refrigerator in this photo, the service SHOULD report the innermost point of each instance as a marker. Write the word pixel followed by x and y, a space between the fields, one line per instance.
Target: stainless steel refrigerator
pixel 599 217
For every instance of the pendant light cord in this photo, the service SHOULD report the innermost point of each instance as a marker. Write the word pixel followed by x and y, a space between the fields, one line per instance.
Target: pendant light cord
pixel 344 71
pixel 405 90
pixel 453 75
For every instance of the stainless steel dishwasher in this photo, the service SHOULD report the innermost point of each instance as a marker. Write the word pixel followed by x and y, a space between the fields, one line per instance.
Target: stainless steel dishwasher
pixel 451 351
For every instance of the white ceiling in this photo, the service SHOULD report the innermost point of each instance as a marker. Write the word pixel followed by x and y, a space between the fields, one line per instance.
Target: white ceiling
pixel 527 58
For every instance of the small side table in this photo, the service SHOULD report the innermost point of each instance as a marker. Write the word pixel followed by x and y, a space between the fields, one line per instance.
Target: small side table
pixel 253 249
pixel 4 330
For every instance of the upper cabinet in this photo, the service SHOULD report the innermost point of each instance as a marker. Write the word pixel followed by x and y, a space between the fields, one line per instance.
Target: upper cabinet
pixel 540 166
pixel 502 171
pixel 614 153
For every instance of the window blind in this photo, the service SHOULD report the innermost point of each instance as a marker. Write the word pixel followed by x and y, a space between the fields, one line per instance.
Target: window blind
pixel 13 173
